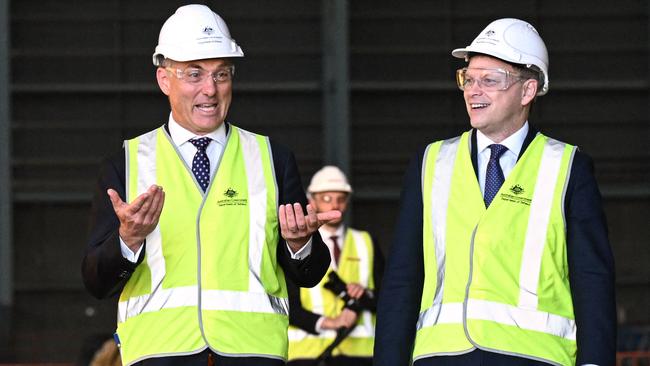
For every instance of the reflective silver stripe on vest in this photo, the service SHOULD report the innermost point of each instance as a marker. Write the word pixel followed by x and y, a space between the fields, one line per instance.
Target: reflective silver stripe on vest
pixel 441 314
pixel 296 335
pixel 256 300
pixel 540 213
pixel 257 207
pixel 501 313
pixel 440 188
pixel 146 157
pixel 539 321
pixel 210 300
pixel 523 317
pixel 364 257
pixel 365 328
pixel 316 297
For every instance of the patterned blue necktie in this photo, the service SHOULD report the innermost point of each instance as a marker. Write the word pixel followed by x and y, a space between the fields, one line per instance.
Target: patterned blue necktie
pixel 201 162
pixel 493 174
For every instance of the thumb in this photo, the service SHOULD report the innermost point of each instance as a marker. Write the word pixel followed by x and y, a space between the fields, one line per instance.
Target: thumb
pixel 115 198
pixel 327 216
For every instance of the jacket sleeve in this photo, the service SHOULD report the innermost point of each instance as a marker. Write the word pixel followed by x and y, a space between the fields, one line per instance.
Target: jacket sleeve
pixel 104 269
pixel 309 271
pixel 298 315
pixel 401 290
pixel 591 267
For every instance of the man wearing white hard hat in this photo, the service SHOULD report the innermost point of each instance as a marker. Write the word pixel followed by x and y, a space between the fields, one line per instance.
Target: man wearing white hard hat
pixel 501 255
pixel 200 266
pixel 318 314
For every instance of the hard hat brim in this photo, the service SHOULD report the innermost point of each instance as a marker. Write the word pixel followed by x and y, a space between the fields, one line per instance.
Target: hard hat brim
pixel 329 188
pixel 183 57
pixel 460 52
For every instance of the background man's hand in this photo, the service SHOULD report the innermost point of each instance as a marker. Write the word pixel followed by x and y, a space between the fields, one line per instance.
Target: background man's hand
pixel 140 217
pixel 296 228
pixel 355 290
pixel 346 319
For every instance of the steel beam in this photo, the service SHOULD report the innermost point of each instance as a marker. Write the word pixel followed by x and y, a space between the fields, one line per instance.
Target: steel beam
pixel 336 84
pixel 6 253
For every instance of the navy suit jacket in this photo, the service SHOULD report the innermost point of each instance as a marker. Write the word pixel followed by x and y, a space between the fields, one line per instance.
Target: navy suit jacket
pixel 590 259
pixel 105 270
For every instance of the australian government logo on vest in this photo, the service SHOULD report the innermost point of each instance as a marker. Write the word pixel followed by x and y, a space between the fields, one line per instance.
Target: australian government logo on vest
pixel 514 194
pixel 231 199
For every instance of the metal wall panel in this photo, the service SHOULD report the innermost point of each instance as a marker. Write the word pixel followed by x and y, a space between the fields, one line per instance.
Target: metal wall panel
pixel 82 81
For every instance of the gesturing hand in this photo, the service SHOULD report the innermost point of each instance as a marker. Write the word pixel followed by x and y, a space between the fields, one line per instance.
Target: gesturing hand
pixel 140 217
pixel 296 228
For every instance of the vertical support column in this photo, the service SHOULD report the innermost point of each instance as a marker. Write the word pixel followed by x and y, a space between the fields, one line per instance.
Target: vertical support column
pixel 6 203
pixel 336 82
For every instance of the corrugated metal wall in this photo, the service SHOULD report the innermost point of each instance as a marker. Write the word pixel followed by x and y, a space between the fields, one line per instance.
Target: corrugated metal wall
pixel 82 81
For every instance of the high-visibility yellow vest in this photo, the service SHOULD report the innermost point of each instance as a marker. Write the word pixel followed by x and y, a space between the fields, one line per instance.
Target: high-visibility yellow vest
pixel 496 279
pixel 210 277
pixel 355 266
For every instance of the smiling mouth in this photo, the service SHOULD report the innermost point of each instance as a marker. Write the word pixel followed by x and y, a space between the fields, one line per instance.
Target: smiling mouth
pixel 479 105
pixel 207 107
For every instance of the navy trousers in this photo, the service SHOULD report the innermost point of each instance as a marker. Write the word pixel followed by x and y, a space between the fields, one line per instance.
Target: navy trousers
pixel 209 358
pixel 478 358
pixel 335 361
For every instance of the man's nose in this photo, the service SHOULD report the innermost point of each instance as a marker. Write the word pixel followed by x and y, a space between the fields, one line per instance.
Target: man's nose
pixel 209 86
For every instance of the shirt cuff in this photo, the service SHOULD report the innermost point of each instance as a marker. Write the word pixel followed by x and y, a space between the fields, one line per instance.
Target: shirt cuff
pixel 318 325
pixel 128 254
pixel 303 253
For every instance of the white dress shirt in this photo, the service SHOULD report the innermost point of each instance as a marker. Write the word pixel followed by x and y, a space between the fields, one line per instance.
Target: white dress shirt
pixel 181 137
pixel 327 239
pixel 507 161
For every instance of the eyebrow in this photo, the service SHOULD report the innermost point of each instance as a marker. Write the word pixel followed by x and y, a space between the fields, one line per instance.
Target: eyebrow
pixel 223 66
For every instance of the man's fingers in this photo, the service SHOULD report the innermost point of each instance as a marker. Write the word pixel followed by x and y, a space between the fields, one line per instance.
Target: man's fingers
pixel 144 207
pixel 137 203
pixel 300 217
pixel 161 204
pixel 282 216
pixel 153 212
pixel 325 217
pixel 291 219
pixel 142 203
pixel 355 290
pixel 311 218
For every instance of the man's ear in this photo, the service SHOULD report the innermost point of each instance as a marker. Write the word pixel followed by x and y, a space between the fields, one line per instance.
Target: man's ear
pixel 529 91
pixel 163 80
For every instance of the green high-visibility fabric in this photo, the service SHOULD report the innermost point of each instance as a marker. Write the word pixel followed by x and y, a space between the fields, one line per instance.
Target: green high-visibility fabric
pixel 473 297
pixel 210 276
pixel 309 346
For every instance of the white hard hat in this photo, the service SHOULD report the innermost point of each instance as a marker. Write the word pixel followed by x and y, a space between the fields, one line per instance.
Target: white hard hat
pixel 194 32
pixel 511 40
pixel 329 179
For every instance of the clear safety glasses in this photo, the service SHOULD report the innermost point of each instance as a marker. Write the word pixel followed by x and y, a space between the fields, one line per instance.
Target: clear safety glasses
pixel 487 79
pixel 194 75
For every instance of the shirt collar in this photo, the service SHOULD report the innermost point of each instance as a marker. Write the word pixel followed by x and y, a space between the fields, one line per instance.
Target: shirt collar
pixel 513 142
pixel 325 234
pixel 181 135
